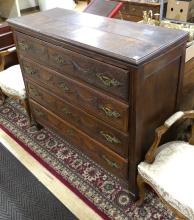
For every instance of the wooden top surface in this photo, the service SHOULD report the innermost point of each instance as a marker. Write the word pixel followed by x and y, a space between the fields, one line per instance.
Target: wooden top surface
pixel 124 40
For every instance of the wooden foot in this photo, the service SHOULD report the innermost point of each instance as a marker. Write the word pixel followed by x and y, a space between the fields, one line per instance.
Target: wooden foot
pixel 141 188
pixel 39 126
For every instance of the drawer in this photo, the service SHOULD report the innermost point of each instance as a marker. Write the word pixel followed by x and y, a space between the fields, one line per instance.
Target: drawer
pixel 100 105
pixel 137 9
pixel 129 17
pixel 103 133
pixel 104 76
pixel 29 48
pixel 125 8
pixel 96 151
pixel 6 40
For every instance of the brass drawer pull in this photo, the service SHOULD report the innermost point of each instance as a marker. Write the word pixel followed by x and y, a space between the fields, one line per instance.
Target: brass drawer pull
pixel 29 70
pixel 24 46
pixel 59 59
pixel 38 113
pixel 107 81
pixel 110 163
pixel 69 132
pixel 109 138
pixel 75 118
pixel 79 68
pixel 34 92
pixel 64 86
pixel 66 111
pixel 109 112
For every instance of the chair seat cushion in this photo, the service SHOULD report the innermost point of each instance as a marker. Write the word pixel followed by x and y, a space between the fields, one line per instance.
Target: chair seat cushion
pixel 172 175
pixel 11 82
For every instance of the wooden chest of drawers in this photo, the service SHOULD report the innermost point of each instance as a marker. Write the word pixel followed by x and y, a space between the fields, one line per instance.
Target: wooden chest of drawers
pixel 103 84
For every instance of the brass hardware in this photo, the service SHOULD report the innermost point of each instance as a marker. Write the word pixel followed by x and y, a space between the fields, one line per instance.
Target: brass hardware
pixel 109 112
pixel 157 19
pixel 66 111
pixel 79 68
pixel 107 81
pixel 109 138
pixel 38 113
pixel 29 70
pixel 33 92
pixel 149 18
pixel 24 46
pixel 64 86
pixel 69 132
pixel 74 117
pixel 111 163
pixel 59 59
pixel 145 17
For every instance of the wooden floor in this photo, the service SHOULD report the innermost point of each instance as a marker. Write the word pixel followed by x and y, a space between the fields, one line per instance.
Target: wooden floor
pixel 66 196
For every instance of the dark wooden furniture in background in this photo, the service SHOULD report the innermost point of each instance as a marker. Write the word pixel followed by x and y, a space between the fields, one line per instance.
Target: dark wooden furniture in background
pixel 103 84
pixel 104 8
pixel 132 10
pixel 6 42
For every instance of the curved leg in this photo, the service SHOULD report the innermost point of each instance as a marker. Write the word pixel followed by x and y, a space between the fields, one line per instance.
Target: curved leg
pixel 141 188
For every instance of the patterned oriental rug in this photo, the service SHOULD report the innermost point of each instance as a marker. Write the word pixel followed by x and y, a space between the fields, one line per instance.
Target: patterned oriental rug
pixel 95 186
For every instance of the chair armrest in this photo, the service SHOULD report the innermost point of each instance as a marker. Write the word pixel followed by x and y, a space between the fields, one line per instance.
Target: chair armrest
pixel 7 52
pixel 150 156
pixel 3 54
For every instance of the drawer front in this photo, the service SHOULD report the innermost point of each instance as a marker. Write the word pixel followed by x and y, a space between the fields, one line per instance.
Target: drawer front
pixel 104 76
pixel 137 10
pixel 6 40
pixel 110 137
pixel 125 8
pixel 129 17
pixel 29 48
pixel 98 104
pixel 102 155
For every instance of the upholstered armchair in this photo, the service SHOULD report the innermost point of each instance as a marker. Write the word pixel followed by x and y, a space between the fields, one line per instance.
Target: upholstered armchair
pixel 169 170
pixel 11 81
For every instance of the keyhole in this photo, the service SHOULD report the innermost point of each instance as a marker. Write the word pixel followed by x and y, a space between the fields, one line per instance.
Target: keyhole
pixel 172 9
pixel 181 10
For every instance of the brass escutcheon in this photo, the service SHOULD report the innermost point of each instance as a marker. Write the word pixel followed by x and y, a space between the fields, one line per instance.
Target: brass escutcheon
pixel 29 70
pixel 111 163
pixel 38 113
pixel 109 138
pixel 109 112
pixel 24 46
pixel 64 86
pixel 107 81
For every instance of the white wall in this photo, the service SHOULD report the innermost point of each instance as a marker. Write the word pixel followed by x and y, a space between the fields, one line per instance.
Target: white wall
pixel 23 4
pixel 9 9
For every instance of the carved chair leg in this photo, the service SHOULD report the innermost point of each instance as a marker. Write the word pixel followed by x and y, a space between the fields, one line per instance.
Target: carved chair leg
pixel 141 189
pixel 27 108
